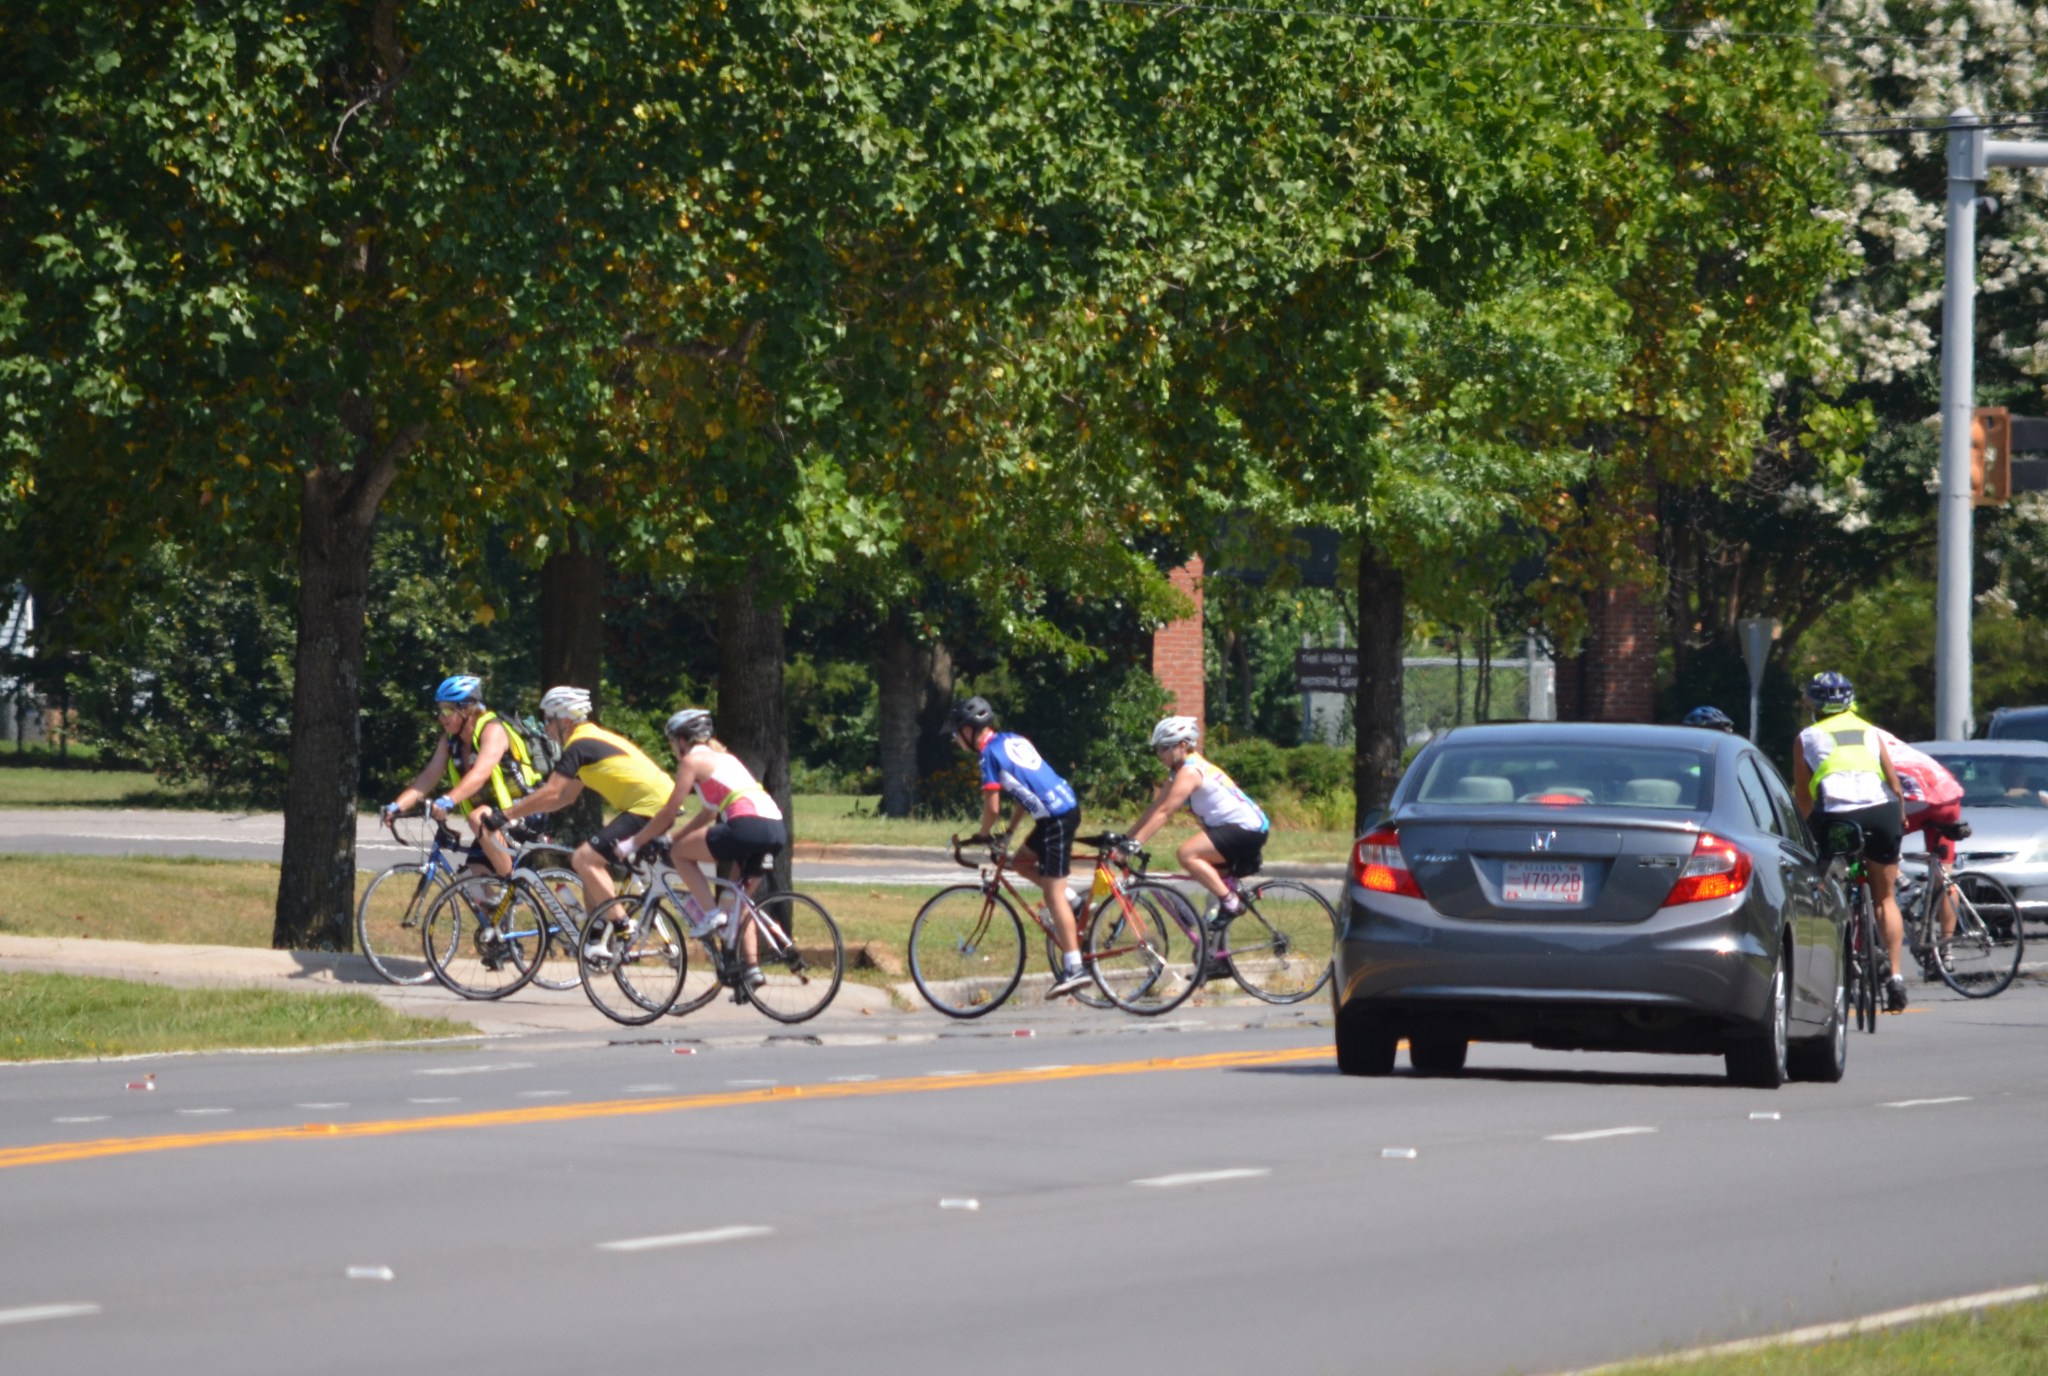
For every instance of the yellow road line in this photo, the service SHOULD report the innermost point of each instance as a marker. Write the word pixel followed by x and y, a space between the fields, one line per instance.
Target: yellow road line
pixel 54 1153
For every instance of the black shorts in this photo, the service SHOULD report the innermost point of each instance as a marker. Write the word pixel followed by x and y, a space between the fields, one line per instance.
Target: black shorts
pixel 1052 841
pixel 1884 826
pixel 746 842
pixel 605 839
pixel 1243 848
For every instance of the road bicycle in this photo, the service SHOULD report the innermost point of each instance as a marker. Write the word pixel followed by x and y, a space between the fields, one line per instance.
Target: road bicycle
pixel 487 935
pixel 967 942
pixel 1980 952
pixel 1277 947
pixel 1864 963
pixel 633 958
pixel 391 915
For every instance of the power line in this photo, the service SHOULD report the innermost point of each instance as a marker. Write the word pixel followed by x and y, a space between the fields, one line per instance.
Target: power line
pixel 1708 32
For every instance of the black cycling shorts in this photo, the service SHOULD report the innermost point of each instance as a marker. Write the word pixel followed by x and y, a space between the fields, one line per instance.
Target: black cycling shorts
pixel 1884 826
pixel 746 843
pixel 1052 841
pixel 1243 848
pixel 605 840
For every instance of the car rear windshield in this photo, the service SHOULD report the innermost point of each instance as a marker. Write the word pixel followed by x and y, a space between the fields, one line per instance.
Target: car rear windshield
pixel 1667 780
pixel 2000 780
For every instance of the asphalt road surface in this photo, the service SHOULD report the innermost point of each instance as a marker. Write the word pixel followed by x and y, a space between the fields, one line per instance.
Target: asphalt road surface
pixel 1203 1196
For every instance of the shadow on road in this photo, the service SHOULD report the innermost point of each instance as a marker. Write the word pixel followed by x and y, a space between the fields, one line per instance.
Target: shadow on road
pixel 1520 1076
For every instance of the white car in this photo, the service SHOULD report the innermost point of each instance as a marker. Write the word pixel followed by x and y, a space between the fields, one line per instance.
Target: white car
pixel 2005 801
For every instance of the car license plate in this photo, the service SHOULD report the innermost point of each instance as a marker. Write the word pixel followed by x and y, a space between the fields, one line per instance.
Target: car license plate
pixel 1543 881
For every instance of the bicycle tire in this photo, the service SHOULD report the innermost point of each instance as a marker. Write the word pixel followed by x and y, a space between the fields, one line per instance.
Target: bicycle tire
pixel 389 918
pixel 712 980
pixel 966 951
pixel 1983 955
pixel 1873 981
pixel 801 978
pixel 1146 949
pixel 643 973
pixel 1290 934
pixel 467 961
pixel 558 968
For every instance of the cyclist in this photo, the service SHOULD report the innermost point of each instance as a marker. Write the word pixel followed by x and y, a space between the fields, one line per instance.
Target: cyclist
pixel 1010 764
pixel 1234 828
pixel 632 786
pixel 739 826
pixel 1709 718
pixel 1933 802
pixel 476 754
pixel 1842 770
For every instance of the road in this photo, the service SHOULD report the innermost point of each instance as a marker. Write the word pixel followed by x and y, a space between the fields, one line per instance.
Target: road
pixel 1203 1196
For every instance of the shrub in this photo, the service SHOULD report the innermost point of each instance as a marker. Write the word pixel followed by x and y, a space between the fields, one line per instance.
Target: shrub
pixel 1258 766
pixel 1318 769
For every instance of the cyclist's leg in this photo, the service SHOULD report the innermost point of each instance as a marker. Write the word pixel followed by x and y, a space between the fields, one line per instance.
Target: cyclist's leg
pixel 691 854
pixel 489 851
pixel 1205 864
pixel 1046 858
pixel 592 859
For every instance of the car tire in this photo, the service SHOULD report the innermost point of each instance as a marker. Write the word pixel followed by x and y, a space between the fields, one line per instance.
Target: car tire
pixel 1759 1059
pixel 1437 1054
pixel 1365 1044
pixel 1823 1059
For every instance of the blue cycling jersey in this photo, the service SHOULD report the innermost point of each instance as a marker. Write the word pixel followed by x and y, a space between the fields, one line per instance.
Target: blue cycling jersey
pixel 1013 764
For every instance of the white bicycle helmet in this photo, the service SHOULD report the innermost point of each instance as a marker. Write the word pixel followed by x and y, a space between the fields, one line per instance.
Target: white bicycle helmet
pixel 690 724
pixel 1176 731
pixel 573 703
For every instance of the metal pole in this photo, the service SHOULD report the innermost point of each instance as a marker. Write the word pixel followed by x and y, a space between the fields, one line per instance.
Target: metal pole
pixel 1958 336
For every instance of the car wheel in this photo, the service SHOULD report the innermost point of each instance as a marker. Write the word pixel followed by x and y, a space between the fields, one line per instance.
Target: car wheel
pixel 1826 1057
pixel 1365 1044
pixel 1759 1059
pixel 1437 1054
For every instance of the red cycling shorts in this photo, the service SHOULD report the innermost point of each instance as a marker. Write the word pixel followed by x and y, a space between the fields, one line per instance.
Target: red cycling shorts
pixel 1944 814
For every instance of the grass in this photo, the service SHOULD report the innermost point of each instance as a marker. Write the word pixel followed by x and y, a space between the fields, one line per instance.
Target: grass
pixel 2008 1341
pixel 188 902
pixel 47 786
pixel 66 1016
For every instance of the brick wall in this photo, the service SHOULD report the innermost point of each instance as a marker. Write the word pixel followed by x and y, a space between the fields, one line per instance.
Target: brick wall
pixel 1614 678
pixel 1177 649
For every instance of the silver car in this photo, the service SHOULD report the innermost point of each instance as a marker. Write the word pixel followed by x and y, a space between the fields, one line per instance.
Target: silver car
pixel 2005 801
pixel 1593 887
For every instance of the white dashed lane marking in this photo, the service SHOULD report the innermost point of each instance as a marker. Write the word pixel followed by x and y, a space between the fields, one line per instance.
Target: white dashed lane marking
pixel 35 1312
pixel 697 1239
pixel 1922 1103
pixel 86 1118
pixel 1168 1182
pixel 433 1101
pixel 203 1112
pixel 475 1069
pixel 1596 1134
pixel 543 1093
pixel 336 1104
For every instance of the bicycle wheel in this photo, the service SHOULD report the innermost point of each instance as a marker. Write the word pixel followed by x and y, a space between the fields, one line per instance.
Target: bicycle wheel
pixel 1869 959
pixel 1982 956
pixel 1146 948
pixel 639 977
pixel 389 918
pixel 1279 948
pixel 801 957
pixel 966 951
pixel 565 930
pixel 484 936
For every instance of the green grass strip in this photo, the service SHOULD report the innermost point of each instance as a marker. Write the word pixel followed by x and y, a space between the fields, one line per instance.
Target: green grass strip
pixel 2007 1341
pixel 49 1017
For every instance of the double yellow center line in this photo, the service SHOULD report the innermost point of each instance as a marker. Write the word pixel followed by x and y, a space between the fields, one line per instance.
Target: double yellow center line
pixel 55 1153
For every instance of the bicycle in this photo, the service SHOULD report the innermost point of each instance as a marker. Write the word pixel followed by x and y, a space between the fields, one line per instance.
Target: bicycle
pixel 967 941
pixel 1863 975
pixel 800 955
pixel 1981 955
pixel 488 935
pixel 391 914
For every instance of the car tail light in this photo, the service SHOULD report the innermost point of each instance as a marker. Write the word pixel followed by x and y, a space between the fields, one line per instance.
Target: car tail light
pixel 1717 869
pixel 1378 865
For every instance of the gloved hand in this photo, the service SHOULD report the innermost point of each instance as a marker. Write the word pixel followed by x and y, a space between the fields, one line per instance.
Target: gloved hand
pixel 441 806
pixel 624 850
pixel 389 812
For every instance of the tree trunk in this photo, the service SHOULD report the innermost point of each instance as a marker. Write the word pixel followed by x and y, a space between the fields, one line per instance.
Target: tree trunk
pixel 934 751
pixel 899 691
pixel 572 616
pixel 1382 639
pixel 316 886
pixel 751 716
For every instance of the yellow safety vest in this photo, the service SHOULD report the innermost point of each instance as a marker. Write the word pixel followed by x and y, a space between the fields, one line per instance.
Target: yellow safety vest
pixel 1854 752
pixel 505 785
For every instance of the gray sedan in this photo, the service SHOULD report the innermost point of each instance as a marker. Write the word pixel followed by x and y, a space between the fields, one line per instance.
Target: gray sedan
pixel 2005 801
pixel 1593 887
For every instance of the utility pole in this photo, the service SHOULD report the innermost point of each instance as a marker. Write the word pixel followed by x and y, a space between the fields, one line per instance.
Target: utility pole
pixel 1970 155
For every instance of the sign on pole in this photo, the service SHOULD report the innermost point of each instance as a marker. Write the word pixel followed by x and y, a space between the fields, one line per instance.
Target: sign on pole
pixel 1326 671
pixel 1756 634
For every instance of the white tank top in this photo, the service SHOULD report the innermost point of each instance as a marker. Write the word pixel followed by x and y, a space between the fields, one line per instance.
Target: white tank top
pixel 732 790
pixel 1217 802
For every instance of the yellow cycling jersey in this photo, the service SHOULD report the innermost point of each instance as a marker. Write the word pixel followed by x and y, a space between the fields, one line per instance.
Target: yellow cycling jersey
pixel 513 777
pixel 618 770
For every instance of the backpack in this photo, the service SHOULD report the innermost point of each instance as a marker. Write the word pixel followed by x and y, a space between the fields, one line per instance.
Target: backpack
pixel 541 751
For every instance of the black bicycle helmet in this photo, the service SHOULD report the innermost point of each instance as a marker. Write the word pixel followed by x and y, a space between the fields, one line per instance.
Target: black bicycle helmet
pixel 1712 718
pixel 974 712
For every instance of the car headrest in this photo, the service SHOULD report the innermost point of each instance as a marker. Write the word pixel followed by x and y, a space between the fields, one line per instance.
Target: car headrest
pixel 1651 792
pixel 1483 788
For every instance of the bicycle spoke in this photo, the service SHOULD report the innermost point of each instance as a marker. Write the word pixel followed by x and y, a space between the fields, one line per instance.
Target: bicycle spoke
pixel 1983 954
pixel 389 920
pixel 1145 947
pixel 1279 948
pixel 635 974
pixel 966 951
pixel 801 957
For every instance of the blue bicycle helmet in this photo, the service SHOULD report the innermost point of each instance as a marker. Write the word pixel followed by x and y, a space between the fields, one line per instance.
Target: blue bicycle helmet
pixel 1831 692
pixel 461 689
pixel 1712 718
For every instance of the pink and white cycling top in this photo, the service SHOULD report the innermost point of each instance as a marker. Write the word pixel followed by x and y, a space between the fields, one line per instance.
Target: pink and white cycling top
pixel 1925 781
pixel 732 791
pixel 1219 802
